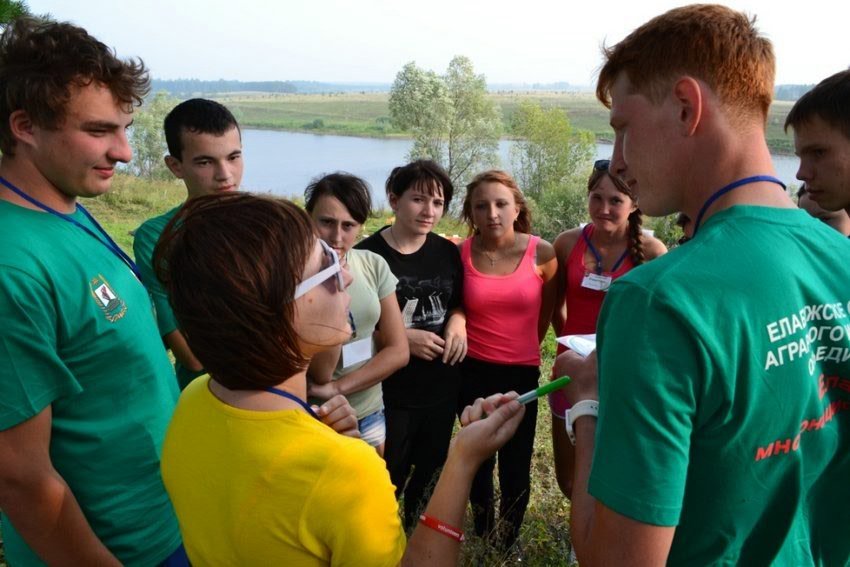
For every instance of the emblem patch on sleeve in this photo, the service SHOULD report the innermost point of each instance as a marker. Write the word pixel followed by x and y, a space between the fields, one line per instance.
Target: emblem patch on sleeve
pixel 113 307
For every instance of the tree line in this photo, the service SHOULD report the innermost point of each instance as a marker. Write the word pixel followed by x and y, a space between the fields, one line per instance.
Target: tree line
pixel 453 121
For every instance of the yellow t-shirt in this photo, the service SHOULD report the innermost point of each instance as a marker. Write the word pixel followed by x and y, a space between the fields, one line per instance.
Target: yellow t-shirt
pixel 275 488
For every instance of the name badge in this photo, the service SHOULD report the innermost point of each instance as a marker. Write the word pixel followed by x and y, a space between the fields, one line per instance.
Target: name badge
pixel 356 351
pixel 597 282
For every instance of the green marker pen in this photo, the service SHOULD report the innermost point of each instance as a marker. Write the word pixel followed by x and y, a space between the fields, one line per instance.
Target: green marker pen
pixel 543 390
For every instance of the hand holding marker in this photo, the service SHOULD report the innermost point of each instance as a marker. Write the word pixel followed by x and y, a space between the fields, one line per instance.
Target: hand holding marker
pixel 532 395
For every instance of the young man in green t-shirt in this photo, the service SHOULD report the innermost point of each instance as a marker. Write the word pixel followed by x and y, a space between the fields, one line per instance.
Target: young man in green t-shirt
pixel 205 151
pixel 717 431
pixel 821 123
pixel 86 389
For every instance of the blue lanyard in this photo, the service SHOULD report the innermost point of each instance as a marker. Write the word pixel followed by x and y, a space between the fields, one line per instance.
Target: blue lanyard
pixel 599 256
pixel 109 243
pixel 734 185
pixel 296 399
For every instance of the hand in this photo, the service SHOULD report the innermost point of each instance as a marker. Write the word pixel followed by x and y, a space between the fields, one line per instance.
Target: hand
pixel 323 391
pixel 487 425
pixel 338 414
pixel 425 344
pixel 455 341
pixel 584 383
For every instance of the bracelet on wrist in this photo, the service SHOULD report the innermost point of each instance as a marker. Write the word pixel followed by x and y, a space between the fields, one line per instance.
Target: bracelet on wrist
pixel 444 529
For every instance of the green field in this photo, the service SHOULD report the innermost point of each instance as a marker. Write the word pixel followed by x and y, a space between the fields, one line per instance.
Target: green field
pixel 360 114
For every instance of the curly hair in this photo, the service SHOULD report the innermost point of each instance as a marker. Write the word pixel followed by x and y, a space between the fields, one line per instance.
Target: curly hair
pixel 41 61
pixel 522 222
pixel 237 261
pixel 635 217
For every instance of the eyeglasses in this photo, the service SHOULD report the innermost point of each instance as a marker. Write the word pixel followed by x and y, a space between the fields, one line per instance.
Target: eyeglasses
pixel 323 275
pixel 601 164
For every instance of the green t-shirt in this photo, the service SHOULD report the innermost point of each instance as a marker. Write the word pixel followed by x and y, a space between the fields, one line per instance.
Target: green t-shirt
pixel 77 333
pixel 724 371
pixel 144 242
pixel 373 281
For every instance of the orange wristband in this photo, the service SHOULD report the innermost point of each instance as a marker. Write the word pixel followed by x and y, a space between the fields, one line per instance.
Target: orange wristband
pixel 444 529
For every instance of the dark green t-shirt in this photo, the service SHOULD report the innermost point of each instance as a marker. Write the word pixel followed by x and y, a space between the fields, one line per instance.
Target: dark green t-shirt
pixel 144 242
pixel 77 333
pixel 724 370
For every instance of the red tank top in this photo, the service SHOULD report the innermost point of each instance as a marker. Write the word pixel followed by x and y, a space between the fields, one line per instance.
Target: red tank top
pixel 583 304
pixel 502 311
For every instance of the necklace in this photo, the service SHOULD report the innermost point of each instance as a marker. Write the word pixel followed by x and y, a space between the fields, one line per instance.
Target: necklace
pixel 398 246
pixel 500 257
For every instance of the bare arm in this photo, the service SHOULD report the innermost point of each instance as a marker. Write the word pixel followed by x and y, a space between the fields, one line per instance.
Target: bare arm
pixel 653 248
pixel 479 438
pixel 39 502
pixel 563 246
pixel 547 268
pixel 393 354
pixel 322 366
pixel 181 351
pixel 600 535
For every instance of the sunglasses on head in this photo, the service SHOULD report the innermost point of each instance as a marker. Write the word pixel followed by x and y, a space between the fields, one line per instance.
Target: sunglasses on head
pixel 334 269
pixel 601 164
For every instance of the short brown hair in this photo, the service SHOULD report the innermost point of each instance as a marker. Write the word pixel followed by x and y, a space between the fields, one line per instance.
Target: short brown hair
pixel 830 100
pixel 349 189
pixel 709 42
pixel 423 174
pixel 522 222
pixel 40 62
pixel 230 264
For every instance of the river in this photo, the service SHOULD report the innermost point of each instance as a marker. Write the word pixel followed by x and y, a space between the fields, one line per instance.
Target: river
pixel 283 163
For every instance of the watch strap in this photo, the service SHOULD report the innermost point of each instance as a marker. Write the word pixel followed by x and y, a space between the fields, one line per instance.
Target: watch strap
pixel 581 409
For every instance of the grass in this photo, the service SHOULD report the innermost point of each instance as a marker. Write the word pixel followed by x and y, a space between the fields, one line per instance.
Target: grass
pixel 131 202
pixel 545 534
pixel 367 114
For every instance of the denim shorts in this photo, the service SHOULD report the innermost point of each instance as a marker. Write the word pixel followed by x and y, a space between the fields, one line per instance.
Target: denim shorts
pixel 373 428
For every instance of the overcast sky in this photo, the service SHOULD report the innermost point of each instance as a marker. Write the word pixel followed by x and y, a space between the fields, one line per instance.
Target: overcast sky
pixel 522 41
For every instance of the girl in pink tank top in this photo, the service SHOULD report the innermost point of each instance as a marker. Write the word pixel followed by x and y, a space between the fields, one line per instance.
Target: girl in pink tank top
pixel 591 258
pixel 509 289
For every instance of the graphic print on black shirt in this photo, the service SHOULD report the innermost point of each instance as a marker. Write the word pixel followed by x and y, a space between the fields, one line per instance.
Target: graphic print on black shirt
pixel 423 302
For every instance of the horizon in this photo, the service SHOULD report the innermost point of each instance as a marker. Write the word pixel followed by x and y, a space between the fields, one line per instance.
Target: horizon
pixel 370 41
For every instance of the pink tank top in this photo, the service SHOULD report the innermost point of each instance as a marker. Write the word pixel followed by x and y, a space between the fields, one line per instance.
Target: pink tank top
pixel 583 304
pixel 502 311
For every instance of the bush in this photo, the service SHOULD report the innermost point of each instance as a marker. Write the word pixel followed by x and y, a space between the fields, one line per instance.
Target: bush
pixel 558 209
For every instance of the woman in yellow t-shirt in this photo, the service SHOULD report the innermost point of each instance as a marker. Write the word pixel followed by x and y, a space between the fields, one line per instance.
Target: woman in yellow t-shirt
pixel 255 477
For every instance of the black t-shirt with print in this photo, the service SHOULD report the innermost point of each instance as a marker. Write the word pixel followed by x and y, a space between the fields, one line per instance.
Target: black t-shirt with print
pixel 429 286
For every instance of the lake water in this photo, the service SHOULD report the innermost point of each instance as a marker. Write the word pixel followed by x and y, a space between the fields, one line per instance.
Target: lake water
pixel 284 163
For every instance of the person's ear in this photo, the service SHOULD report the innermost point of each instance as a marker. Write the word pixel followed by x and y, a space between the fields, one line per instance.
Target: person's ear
pixel 175 166
pixel 690 99
pixel 22 127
